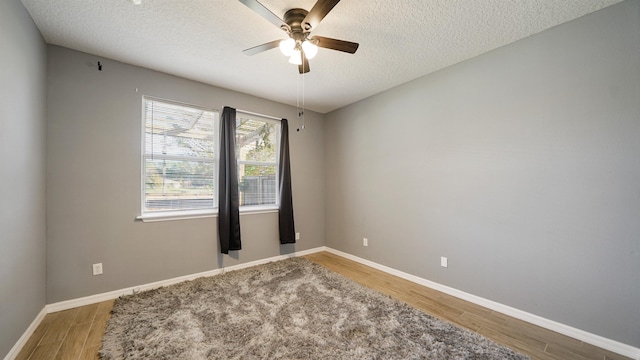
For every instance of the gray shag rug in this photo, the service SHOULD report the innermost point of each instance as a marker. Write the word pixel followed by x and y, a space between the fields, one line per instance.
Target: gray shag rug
pixel 290 309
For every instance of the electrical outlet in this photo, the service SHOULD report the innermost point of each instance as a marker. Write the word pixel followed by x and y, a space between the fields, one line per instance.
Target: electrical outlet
pixel 97 269
pixel 297 236
pixel 365 242
pixel 444 262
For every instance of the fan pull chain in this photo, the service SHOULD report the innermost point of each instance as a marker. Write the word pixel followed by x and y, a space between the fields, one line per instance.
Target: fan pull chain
pixel 300 111
pixel 298 100
pixel 302 101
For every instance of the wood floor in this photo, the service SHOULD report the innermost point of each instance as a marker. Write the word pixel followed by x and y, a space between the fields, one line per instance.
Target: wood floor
pixel 77 333
pixel 69 334
pixel 521 336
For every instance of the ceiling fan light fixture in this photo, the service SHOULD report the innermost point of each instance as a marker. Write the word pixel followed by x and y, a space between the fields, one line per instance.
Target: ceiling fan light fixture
pixel 310 49
pixel 296 57
pixel 298 23
pixel 287 46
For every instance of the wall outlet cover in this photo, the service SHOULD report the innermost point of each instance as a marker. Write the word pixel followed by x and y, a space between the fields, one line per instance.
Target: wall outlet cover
pixel 97 269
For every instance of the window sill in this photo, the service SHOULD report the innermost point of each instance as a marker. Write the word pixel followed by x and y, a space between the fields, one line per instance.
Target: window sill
pixel 177 215
pixel 260 209
pixel 186 215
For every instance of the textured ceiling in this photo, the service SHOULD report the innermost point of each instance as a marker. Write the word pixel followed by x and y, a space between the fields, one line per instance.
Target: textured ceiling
pixel 400 40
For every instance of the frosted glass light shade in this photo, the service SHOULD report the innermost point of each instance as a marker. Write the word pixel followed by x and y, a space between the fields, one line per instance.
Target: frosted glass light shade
pixel 287 46
pixel 296 57
pixel 310 49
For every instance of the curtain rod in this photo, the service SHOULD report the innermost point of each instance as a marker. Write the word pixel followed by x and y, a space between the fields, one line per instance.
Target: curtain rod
pixel 257 114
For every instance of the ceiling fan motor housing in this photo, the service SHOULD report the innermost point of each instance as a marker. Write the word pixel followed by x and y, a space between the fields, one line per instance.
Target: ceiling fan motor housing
pixel 297 30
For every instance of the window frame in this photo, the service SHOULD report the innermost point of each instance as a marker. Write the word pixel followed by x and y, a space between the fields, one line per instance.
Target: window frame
pixel 151 216
pixel 265 208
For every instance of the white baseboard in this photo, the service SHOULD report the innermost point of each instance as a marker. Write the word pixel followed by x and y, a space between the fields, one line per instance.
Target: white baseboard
pixel 597 340
pixel 25 337
pixel 602 342
pixel 87 300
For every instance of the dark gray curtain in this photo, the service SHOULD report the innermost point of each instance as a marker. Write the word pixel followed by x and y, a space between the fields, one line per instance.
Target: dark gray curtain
pixel 285 214
pixel 228 199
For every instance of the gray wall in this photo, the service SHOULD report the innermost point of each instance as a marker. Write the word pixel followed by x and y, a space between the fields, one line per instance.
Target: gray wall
pixel 93 184
pixel 522 166
pixel 22 172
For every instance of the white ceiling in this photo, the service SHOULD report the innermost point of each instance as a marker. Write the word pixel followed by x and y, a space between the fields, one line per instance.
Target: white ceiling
pixel 400 40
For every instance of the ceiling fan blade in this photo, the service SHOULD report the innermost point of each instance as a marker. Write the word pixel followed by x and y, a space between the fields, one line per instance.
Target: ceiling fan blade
pixel 304 67
pixel 317 13
pixel 260 48
pixel 335 44
pixel 265 13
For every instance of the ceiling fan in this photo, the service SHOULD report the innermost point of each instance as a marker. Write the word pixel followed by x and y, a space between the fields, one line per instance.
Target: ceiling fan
pixel 298 24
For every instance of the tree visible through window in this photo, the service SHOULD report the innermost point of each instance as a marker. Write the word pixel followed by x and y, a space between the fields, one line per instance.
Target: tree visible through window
pixel 180 157
pixel 257 149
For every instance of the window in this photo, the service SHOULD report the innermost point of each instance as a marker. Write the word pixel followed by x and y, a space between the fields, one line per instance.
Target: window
pixel 257 151
pixel 179 158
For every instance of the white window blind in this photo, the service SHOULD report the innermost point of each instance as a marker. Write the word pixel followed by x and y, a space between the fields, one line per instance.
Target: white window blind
pixel 179 158
pixel 257 151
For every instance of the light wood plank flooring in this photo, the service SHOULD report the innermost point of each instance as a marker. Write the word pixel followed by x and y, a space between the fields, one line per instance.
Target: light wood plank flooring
pixel 77 333
pixel 521 336
pixel 69 334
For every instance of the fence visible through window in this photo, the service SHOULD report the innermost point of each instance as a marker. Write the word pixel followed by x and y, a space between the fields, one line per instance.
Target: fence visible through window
pixel 257 190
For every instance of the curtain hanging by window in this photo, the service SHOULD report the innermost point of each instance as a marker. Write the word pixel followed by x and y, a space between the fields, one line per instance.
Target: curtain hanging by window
pixel 228 199
pixel 285 213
